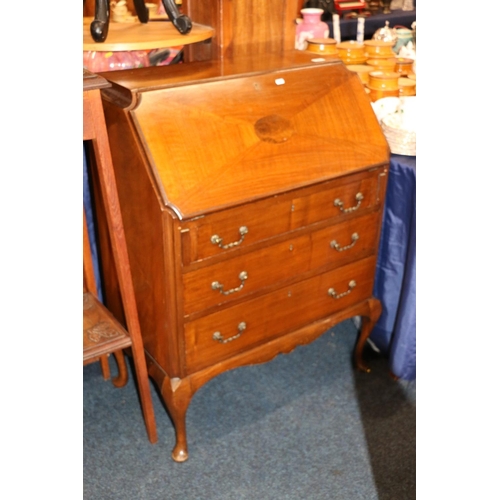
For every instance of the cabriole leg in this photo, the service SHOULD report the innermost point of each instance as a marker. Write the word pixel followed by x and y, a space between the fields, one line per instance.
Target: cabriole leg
pixel 177 394
pixel 368 317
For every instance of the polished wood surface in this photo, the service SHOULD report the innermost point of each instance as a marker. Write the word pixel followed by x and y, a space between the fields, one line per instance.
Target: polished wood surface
pixel 243 28
pixel 252 202
pixel 304 254
pixel 139 36
pixel 231 166
pixel 102 333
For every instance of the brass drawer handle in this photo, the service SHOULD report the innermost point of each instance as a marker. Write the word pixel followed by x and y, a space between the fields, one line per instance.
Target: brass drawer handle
pixel 219 338
pixel 340 204
pixel 336 295
pixel 217 286
pixel 336 246
pixel 217 240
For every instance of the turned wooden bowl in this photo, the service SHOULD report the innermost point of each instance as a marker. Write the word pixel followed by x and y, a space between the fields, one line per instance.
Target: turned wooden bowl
pixel 378 48
pixel 352 52
pixel 407 87
pixel 383 64
pixel 362 71
pixel 322 46
pixel 383 80
pixel 376 94
pixel 404 66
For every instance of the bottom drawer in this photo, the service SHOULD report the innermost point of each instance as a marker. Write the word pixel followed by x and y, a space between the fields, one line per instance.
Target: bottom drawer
pixel 232 330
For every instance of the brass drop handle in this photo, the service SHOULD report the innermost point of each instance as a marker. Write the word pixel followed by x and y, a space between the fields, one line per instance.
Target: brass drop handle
pixel 218 286
pixel 219 338
pixel 336 246
pixel 339 203
pixel 336 295
pixel 217 240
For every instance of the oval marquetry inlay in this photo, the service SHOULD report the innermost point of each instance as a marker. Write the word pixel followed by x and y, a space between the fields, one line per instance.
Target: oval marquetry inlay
pixel 273 128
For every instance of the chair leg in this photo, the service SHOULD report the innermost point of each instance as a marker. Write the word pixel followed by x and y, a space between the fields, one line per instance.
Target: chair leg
pixel 106 374
pixel 122 378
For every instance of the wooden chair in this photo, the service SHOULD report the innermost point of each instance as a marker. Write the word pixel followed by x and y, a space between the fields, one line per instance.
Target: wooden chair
pixel 102 333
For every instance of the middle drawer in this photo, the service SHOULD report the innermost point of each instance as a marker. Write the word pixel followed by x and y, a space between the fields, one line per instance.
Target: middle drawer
pixel 282 262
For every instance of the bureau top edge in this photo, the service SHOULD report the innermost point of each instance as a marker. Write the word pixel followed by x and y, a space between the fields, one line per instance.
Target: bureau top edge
pixel 140 80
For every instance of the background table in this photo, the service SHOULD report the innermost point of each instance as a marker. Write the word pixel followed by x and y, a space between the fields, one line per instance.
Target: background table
pixel 395 281
pixel 348 27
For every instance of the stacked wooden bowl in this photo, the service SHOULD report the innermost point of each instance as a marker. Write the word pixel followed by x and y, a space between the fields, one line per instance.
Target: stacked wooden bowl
pixel 383 73
pixel 322 46
pixel 352 52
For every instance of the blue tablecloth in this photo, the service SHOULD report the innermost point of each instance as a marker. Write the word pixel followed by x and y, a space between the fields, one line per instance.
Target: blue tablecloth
pixel 395 281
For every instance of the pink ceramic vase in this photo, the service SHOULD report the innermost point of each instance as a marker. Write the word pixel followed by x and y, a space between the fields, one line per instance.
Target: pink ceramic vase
pixel 311 27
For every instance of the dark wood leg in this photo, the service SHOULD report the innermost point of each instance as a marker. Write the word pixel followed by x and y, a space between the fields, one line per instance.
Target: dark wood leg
pixel 369 317
pixel 100 25
pixel 180 21
pixel 141 11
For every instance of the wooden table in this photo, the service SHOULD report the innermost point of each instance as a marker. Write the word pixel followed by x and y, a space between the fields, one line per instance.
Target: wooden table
pixel 102 333
pixel 138 36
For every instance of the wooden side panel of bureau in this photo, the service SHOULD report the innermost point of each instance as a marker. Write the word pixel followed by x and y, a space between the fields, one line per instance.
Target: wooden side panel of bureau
pixel 252 200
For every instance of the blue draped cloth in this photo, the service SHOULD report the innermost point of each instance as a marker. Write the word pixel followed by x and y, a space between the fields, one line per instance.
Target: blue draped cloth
pixel 91 229
pixel 395 281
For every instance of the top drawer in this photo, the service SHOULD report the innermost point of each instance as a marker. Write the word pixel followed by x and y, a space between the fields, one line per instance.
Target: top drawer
pixel 241 227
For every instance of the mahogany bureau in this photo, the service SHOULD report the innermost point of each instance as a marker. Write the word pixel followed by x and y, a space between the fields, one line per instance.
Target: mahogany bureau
pixel 252 194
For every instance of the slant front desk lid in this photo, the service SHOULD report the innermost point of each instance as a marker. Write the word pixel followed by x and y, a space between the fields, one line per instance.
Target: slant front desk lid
pixel 220 133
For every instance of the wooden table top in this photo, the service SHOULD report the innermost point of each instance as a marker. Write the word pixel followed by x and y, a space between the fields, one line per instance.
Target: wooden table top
pixel 156 34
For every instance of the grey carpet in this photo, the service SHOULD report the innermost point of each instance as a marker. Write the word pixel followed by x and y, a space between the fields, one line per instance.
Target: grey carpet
pixel 303 426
